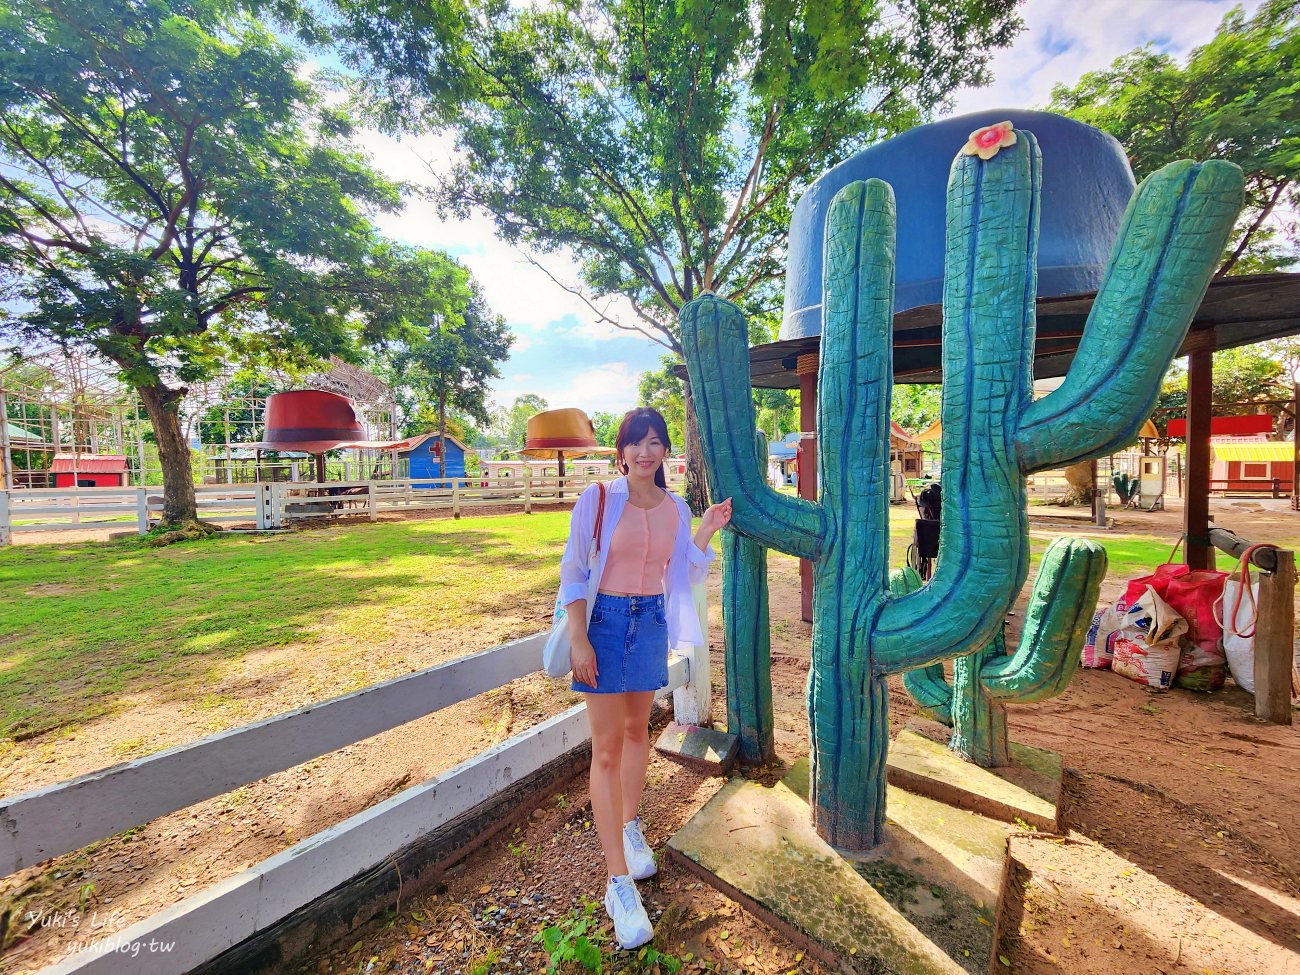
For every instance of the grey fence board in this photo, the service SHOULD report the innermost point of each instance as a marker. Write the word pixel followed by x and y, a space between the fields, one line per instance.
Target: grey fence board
pixel 47 822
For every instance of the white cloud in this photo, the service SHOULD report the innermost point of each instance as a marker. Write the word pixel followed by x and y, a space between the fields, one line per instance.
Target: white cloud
pixel 514 287
pixel 610 387
pixel 1064 38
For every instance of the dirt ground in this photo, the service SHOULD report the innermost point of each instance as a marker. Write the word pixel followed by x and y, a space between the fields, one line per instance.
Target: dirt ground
pixel 1180 857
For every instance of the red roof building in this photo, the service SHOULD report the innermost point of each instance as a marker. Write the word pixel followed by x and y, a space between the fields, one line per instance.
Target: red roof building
pixel 89 470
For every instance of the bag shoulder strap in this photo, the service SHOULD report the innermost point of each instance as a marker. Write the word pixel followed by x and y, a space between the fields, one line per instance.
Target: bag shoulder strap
pixel 600 515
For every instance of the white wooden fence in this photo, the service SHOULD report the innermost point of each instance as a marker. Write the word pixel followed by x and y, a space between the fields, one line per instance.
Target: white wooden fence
pixel 57 819
pixel 275 504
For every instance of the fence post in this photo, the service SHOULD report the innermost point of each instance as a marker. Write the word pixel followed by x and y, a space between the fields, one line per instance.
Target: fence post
pixel 142 509
pixel 277 505
pixel 370 501
pixel 1275 641
pixel 6 536
pixel 693 702
pixel 455 497
pixel 528 493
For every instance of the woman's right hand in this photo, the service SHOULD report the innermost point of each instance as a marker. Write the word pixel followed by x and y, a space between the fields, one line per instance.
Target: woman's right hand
pixel 582 657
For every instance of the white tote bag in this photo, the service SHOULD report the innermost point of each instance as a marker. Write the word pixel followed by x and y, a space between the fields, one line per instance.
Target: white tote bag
pixel 1235 612
pixel 555 656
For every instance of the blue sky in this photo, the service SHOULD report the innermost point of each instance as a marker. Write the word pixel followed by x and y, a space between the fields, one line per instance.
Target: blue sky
pixel 567 355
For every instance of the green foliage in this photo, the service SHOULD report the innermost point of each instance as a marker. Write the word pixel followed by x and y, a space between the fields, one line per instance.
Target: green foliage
pixel 663 143
pixel 914 406
pixel 777 411
pixel 510 426
pixel 606 425
pixel 1242 376
pixel 662 389
pixel 574 940
pixel 448 367
pixel 1235 98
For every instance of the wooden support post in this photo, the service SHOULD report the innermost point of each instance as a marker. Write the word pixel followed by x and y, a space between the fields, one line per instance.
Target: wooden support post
pixel 806 368
pixel 370 500
pixel 455 498
pixel 6 532
pixel 528 490
pixel 1275 641
pixel 6 454
pixel 1295 447
pixel 1196 503
pixel 142 509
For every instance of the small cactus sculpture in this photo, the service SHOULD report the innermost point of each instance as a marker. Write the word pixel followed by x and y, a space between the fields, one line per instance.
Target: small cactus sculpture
pixel 748 639
pixel 993 434
pixel 1060 610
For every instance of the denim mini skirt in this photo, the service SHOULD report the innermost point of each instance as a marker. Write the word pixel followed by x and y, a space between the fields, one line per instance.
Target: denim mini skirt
pixel 630 637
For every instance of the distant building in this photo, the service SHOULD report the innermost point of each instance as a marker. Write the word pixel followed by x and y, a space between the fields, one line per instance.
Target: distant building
pixel 423 455
pixel 89 470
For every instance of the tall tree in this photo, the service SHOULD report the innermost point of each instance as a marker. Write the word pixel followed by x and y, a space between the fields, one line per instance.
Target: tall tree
pixel 1235 98
pixel 914 406
pixel 606 425
pixel 663 143
pixel 174 194
pixel 517 417
pixel 451 364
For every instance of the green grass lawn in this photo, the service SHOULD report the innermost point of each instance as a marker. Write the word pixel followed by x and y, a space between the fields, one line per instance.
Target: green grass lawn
pixel 82 623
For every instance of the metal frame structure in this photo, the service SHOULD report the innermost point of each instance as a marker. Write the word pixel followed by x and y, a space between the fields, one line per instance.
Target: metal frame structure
pixel 62 401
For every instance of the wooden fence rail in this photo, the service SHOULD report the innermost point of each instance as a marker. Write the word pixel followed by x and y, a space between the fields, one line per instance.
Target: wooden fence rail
pixel 270 505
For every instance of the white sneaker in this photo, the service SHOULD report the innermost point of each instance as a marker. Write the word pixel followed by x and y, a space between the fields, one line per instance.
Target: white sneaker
pixel 631 925
pixel 636 851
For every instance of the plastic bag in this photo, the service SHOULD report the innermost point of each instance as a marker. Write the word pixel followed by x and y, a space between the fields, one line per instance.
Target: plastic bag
pixel 1202 665
pixel 1146 647
pixel 1097 649
pixel 1240 605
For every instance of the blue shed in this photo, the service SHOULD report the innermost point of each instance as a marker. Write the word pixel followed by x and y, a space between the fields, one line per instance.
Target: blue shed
pixel 423 456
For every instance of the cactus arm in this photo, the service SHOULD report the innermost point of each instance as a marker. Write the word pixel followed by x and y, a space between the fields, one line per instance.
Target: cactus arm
pixel 1060 611
pixel 848 705
pixel 716 349
pixel 928 685
pixel 855 378
pixel 1172 238
pixel 989 275
pixel 748 642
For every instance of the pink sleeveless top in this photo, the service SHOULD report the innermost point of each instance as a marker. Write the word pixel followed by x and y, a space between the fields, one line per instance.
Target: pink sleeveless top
pixel 640 549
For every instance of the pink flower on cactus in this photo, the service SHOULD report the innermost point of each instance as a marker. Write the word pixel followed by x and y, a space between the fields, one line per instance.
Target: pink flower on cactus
pixel 986 142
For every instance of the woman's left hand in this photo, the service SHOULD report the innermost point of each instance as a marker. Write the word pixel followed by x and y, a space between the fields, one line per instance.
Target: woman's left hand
pixel 716 517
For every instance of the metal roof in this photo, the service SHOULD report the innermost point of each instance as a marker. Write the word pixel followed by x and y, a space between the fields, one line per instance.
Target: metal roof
pixel 1261 452
pixel 88 463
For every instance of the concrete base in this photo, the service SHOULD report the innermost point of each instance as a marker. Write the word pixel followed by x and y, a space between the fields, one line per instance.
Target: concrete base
pixel 709 751
pixel 1027 791
pixel 925 902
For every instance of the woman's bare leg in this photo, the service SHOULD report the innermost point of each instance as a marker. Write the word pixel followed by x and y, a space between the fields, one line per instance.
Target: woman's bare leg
pixel 636 751
pixel 607 715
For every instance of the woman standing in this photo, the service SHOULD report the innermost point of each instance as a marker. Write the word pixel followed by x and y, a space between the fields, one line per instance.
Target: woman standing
pixel 648 561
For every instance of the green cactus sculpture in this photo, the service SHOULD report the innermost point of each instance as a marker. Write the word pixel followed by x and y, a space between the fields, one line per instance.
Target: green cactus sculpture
pixel 1060 610
pixel 748 640
pixel 993 434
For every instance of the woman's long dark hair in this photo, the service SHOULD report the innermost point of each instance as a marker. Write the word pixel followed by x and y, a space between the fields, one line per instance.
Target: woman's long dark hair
pixel 636 424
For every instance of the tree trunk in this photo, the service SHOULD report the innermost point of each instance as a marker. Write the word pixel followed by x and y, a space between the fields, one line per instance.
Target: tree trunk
pixel 162 404
pixel 697 488
pixel 1081 484
pixel 442 436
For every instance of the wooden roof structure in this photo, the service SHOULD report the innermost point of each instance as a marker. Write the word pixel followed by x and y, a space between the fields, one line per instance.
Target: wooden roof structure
pixel 1237 310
